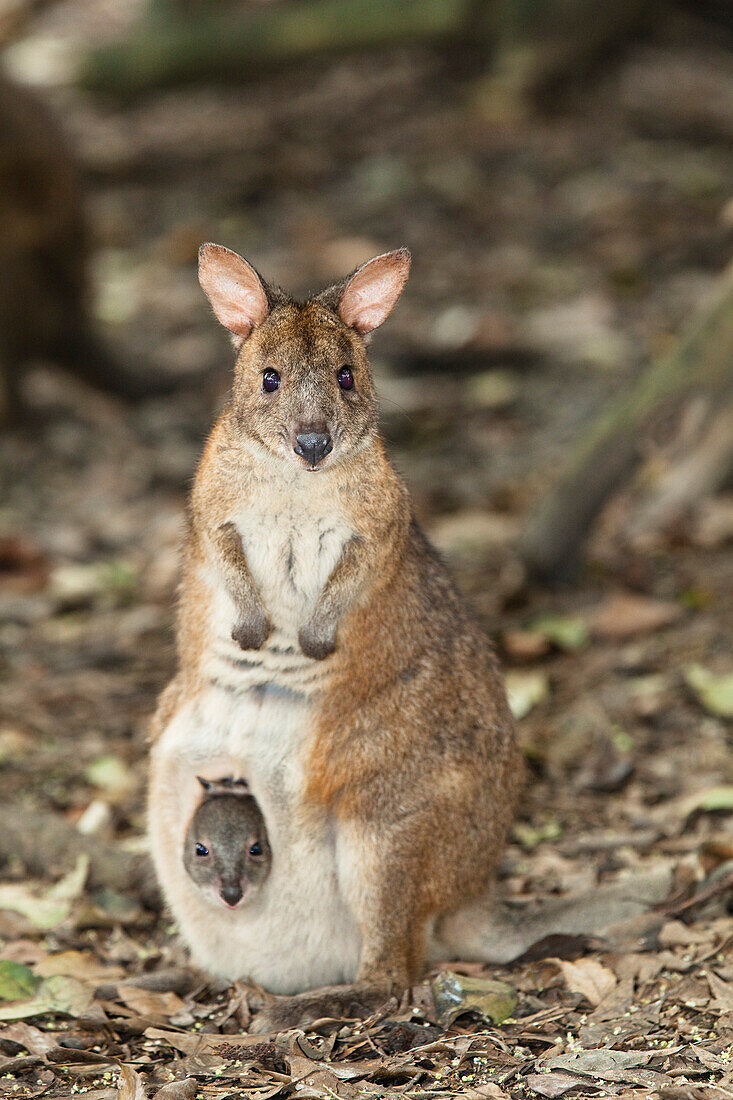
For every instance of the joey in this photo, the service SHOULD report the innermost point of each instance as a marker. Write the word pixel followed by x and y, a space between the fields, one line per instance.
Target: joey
pixel 226 850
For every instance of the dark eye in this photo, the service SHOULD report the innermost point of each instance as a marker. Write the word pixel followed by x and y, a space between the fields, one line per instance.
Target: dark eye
pixel 270 381
pixel 201 850
pixel 345 378
pixel 256 849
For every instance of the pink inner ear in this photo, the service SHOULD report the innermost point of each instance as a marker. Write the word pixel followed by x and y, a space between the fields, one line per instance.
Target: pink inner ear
pixel 233 289
pixel 372 292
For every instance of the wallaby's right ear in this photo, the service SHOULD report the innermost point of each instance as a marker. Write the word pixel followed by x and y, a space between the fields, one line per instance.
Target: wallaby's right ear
pixel 234 289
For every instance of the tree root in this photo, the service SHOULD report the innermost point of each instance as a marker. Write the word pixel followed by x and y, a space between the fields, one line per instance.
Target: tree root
pixel 606 455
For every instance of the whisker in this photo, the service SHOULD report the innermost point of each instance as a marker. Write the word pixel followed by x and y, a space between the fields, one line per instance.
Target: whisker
pixel 402 409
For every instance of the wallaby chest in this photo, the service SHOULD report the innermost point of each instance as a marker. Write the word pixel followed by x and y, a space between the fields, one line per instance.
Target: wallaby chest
pixel 292 542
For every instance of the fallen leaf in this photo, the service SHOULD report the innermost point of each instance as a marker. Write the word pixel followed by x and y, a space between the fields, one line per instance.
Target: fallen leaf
pixel 184 1089
pixel 712 800
pixel 469 533
pixel 675 933
pixel 523 645
pixel 107 908
pixel 77 585
pixel 16 981
pixel 23 565
pixel 32 1038
pixel 551 1084
pixel 455 994
pixel 714 522
pixel 565 631
pixel 721 991
pixel 130 1085
pixel 111 774
pixel 148 1002
pixel 588 977
pixel 23 950
pixel 77 964
pixel 492 389
pixel 603 1063
pixel 525 690
pixel 530 836
pixel 714 692
pixel 46 910
pixel 56 994
pixel 624 614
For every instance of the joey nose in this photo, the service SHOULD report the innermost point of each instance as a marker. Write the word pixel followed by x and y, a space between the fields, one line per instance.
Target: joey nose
pixel 231 894
pixel 313 446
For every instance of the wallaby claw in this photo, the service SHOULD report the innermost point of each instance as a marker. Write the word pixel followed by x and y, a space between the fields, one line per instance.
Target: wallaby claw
pixel 315 644
pixel 251 633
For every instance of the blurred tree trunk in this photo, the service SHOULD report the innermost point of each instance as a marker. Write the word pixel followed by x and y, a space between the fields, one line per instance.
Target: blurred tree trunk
pixel 44 287
pixel 43 290
pixel 604 457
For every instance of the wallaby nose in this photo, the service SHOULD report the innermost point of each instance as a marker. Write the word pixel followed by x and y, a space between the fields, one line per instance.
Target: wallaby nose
pixel 231 894
pixel 313 446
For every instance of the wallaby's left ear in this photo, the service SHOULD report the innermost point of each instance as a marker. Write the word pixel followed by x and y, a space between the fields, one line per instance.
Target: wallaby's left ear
pixel 372 292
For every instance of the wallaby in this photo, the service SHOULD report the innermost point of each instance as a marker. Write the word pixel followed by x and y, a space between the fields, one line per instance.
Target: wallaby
pixel 325 654
pixel 226 852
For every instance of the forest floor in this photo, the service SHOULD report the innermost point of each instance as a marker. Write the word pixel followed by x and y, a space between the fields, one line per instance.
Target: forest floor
pixel 552 259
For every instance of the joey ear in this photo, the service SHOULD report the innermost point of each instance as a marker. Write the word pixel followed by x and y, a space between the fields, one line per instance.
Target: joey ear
pixel 205 783
pixel 233 288
pixel 371 293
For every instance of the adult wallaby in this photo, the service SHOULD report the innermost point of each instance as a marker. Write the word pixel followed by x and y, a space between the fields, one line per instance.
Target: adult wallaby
pixel 325 654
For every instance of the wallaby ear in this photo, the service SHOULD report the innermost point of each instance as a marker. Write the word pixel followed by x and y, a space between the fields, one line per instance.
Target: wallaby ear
pixel 234 289
pixel 371 293
pixel 205 783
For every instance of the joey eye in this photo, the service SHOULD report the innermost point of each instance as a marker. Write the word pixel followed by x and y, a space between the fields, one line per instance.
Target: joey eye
pixel 256 849
pixel 345 378
pixel 201 850
pixel 270 381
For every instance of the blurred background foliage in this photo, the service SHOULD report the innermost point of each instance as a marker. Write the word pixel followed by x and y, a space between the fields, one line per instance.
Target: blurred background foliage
pixel 555 383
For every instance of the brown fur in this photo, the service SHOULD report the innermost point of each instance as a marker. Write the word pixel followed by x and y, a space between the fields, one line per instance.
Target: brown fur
pixel 411 754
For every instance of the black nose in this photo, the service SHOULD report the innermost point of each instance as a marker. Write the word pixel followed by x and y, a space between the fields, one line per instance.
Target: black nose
pixel 231 894
pixel 313 446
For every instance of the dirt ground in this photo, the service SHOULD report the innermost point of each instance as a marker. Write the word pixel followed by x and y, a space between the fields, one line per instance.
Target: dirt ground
pixel 552 259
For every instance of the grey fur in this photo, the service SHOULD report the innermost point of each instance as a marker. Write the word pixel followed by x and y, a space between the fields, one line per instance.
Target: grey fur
pixel 227 823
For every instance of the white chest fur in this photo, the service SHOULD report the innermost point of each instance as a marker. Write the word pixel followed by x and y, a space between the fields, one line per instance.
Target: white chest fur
pixel 292 538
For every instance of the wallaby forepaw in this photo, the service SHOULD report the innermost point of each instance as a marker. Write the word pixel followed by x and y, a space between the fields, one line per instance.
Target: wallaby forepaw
pixel 316 644
pixel 251 633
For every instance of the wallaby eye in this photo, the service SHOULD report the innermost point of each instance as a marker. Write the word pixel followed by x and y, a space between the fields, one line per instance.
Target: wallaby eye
pixel 201 850
pixel 270 381
pixel 256 849
pixel 345 378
